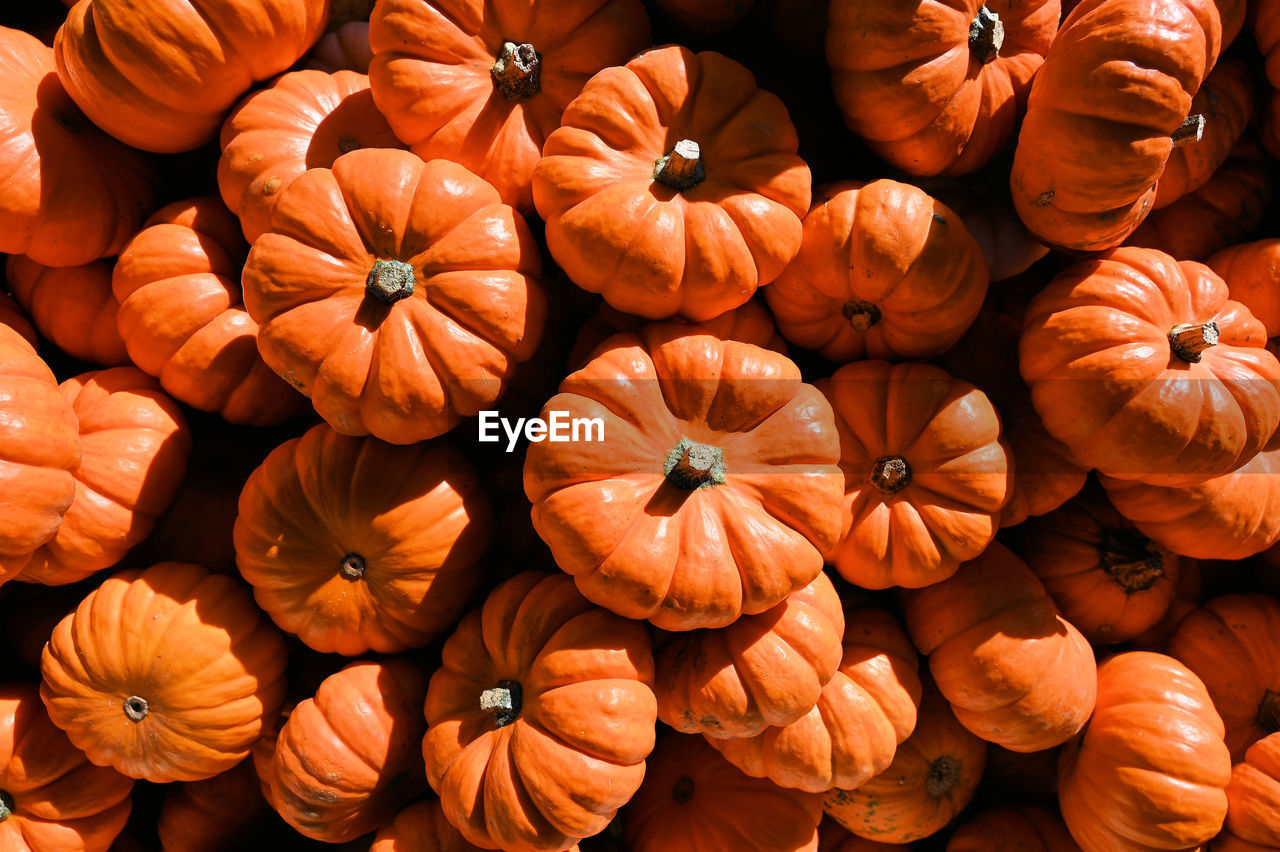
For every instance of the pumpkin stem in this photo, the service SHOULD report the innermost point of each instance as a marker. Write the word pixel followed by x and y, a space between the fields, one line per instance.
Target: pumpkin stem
pixel 681 169
pixel 1130 559
pixel 518 71
pixel 6 805
pixel 682 791
pixel 135 708
pixel 861 315
pixel 986 35
pixel 1269 712
pixel 891 474
pixel 1190 131
pixel 347 144
pixel 1189 339
pixel 390 281
pixel 691 466
pixel 942 776
pixel 353 566
pixel 503 701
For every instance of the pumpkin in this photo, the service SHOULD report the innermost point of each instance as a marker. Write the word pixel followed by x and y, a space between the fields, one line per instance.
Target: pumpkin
pixel 1253 800
pixel 134 443
pixel 763 670
pixel 39 451
pixel 72 306
pixel 346 760
pixel 161 77
pixel 356 545
pixel 344 49
pixel 183 656
pixel 485 83
pixel 1228 644
pixel 182 320
pixel 865 711
pixel 989 217
pixel 1016 672
pixel 51 797
pixel 1105 577
pixel 1190 585
pixel 303 120
pixel 1102 114
pixel 1013 828
pixel 673 186
pixel 71 193
pixel 1150 771
pixel 209 815
pixel 884 271
pixel 11 314
pixel 1265 21
pixel 693 799
pixel 1252 273
pixel 420 827
pixel 925 472
pixel 1146 369
pixel 713 492
pixel 934 87
pixel 398 295
pixel 540 718
pixel 934 774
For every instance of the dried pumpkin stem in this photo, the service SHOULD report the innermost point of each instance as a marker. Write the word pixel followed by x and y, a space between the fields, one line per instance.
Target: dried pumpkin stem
pixel 682 790
pixel 135 707
pixel 1269 712
pixel 1189 339
pixel 347 144
pixel 986 35
pixel 681 169
pixel 943 774
pixel 1130 558
pixel 390 281
pixel 6 805
pixel 503 702
pixel 691 465
pixel 353 566
pixel 518 71
pixel 861 315
pixel 1190 131
pixel 891 474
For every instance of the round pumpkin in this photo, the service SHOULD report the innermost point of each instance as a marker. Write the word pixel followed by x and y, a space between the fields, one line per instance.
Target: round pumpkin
pixel 345 49
pixel 864 713
pixel 72 306
pixel 672 186
pixel 346 760
pixel 1146 369
pixel 484 83
pixel 51 797
pixel 1016 672
pixel 303 120
pixel 161 76
pixel 1252 273
pixel 936 87
pixel 1150 771
pixel 182 319
pixel 421 827
pixel 398 295
pixel 540 718
pixel 988 215
pixel 761 671
pixel 1253 801
pixel 357 545
pixel 167 674
pixel 1013 828
pixel 693 799
pixel 213 814
pixel 71 194
pixel 1185 600
pixel 925 472
pixel 713 491
pixel 884 271
pixel 934 774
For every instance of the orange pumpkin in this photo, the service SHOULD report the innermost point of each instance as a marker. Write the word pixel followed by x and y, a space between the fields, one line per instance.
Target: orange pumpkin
pixel 988 215
pixel 714 491
pixel 1253 801
pixel 11 314
pixel 398 295
pixel 1252 273
pixel 211 815
pixel 345 49
pixel 1013 828
pixel 421 827
pixel 672 186
pixel 167 674
pixel 1265 22
pixel 72 306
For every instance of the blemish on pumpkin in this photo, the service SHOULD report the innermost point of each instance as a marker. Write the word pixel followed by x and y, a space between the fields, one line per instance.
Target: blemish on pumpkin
pixel 1045 198
pixel 271 186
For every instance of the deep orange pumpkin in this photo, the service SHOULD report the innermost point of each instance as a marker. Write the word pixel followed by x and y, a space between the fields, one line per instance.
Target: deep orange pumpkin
pixel 72 306
pixel 1253 801
pixel 345 49
pixel 421 827
pixel 12 315
pixel 1252 273
pixel 213 814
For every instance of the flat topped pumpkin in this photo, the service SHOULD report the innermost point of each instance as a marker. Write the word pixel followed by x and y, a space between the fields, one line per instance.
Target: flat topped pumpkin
pixel 397 294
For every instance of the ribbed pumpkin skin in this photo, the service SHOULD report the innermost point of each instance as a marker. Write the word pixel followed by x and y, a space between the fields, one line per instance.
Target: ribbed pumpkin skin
pixel 584 717
pixel 72 306
pixel 1150 770
pixel 624 529
pixel 209 666
pixel 1107 382
pixel 210 815
pixel 431 76
pixel 651 249
pixel 345 49
pixel 1013 828
pixel 884 271
pixel 60 802
pixel 763 670
pixel 183 320
pixel 1016 673
pixel 909 80
pixel 406 371
pixel 932 778
pixel 864 713
pixel 1099 117
pixel 159 76
pixel 421 827
pixel 415 517
pixel 1252 273
pixel 39 448
pixel 1253 801
pixel 347 759
pixel 916 528
pixel 693 800
pixel 134 443
pixel 303 120
pixel 71 193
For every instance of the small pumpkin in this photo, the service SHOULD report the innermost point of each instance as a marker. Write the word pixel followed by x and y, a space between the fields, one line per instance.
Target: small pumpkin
pixel 989 217
pixel 1253 801
pixel 72 306
pixel 346 48
pixel 1252 273
pixel 209 815
pixel 1013 828
pixel 1185 600
pixel 421 827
